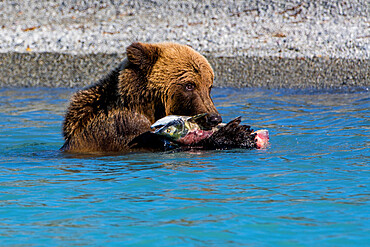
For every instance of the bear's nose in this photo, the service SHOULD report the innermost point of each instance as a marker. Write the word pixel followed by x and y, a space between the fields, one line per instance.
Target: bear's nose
pixel 214 119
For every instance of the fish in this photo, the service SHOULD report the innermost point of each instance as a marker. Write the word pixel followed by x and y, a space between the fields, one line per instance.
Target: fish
pixel 182 129
pixel 189 131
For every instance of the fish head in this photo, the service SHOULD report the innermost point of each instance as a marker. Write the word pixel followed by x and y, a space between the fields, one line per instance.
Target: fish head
pixel 173 130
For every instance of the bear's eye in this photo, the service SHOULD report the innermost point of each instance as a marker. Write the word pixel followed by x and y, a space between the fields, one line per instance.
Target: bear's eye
pixel 189 87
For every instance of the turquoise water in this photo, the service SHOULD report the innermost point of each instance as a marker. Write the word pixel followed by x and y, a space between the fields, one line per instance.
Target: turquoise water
pixel 310 188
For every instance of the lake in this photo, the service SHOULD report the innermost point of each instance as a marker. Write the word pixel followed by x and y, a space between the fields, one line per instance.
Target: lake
pixel 309 188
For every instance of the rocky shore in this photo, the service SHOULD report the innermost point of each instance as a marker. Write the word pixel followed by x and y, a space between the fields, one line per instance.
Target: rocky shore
pixel 272 44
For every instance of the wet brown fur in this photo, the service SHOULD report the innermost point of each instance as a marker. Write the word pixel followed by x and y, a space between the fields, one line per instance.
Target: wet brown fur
pixel 157 80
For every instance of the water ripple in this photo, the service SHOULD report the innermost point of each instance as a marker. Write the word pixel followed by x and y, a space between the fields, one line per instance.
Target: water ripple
pixel 310 187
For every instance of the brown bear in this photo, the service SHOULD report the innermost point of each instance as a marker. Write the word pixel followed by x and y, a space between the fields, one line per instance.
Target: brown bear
pixel 155 80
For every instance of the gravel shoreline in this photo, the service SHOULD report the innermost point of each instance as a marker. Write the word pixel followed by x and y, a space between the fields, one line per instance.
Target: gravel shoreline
pixel 68 70
pixel 290 44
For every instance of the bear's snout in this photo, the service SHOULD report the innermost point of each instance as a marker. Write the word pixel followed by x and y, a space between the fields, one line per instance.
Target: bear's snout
pixel 208 120
pixel 214 119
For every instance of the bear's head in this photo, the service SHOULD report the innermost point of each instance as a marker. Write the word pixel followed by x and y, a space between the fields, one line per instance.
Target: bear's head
pixel 167 79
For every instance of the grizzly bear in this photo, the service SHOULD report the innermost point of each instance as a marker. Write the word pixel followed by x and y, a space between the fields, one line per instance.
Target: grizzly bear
pixel 155 80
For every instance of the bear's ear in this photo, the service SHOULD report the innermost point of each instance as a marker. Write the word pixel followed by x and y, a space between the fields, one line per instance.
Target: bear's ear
pixel 142 55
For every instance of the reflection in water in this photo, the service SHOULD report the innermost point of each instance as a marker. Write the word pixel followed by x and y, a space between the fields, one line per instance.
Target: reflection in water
pixel 20 100
pixel 312 179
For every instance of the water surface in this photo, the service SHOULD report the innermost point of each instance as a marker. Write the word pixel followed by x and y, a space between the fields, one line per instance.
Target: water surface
pixel 309 188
